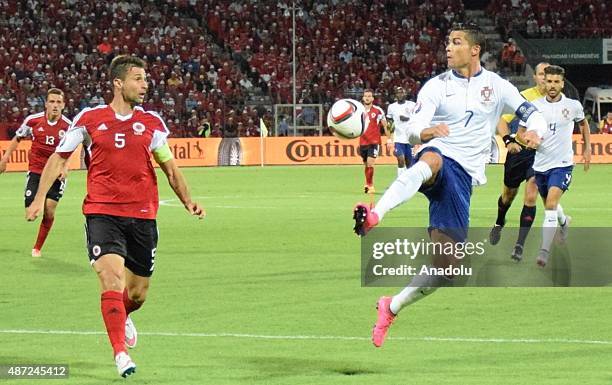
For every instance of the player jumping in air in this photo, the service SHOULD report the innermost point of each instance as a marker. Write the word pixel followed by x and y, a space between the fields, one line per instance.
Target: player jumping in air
pixel 122 199
pixel 46 129
pixel 455 117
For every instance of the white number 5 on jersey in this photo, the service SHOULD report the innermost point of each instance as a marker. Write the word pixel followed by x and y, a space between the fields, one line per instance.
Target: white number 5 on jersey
pixel 119 140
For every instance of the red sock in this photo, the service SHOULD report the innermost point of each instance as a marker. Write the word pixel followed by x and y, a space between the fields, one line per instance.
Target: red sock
pixel 369 174
pixel 129 305
pixel 113 313
pixel 43 231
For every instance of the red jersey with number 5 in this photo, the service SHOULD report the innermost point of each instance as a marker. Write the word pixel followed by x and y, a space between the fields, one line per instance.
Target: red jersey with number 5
pixel 120 178
pixel 372 131
pixel 45 137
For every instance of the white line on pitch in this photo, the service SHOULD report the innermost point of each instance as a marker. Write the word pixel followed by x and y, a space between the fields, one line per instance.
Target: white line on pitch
pixel 312 337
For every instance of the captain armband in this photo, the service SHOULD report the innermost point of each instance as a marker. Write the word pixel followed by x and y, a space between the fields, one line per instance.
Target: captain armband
pixel 162 154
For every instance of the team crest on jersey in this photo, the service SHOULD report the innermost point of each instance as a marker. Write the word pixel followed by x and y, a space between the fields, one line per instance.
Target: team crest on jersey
pixel 486 93
pixel 138 128
pixel 61 133
pixel 565 113
pixel 373 115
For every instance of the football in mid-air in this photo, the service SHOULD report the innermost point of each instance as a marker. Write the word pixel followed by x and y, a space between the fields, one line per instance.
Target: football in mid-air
pixel 346 118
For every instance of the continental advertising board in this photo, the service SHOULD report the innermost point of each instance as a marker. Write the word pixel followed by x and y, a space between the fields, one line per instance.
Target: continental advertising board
pixel 291 151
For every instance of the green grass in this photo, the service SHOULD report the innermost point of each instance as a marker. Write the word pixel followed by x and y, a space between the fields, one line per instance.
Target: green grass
pixel 276 257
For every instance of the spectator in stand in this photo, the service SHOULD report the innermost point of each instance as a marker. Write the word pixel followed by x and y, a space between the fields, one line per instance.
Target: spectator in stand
pixel 105 47
pixel 203 130
pixel 605 125
pixel 97 99
pixel 518 62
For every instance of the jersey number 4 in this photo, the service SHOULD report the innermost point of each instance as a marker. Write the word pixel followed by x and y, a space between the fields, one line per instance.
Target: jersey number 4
pixel 119 140
pixel 553 127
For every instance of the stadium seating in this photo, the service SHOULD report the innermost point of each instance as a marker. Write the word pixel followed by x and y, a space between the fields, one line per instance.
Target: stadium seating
pixel 212 57
pixel 554 19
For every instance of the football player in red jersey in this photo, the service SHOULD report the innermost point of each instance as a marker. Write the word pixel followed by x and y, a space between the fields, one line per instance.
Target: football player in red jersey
pixel 46 130
pixel 122 198
pixel 369 142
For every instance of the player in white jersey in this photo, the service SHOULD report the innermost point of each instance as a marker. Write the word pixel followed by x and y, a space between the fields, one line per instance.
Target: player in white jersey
pixel 455 117
pixel 554 158
pixel 399 112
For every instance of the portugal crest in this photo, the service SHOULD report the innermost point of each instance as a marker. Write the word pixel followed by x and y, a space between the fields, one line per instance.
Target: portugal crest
pixel 486 93
pixel 565 112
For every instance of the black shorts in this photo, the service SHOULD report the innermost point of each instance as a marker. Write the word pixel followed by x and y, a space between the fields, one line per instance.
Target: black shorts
pixel 369 151
pixel 32 179
pixel 132 238
pixel 518 168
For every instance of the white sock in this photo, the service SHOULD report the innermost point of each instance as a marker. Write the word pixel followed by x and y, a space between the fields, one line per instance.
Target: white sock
pixel 418 288
pixel 407 296
pixel 400 171
pixel 549 228
pixel 403 188
pixel 561 215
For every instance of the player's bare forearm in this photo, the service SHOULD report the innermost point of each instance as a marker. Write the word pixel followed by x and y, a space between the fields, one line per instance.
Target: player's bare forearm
pixel 177 181
pixel 502 128
pixel 437 131
pixel 504 131
pixel 586 137
pixel 385 127
pixel 53 168
pixel 586 133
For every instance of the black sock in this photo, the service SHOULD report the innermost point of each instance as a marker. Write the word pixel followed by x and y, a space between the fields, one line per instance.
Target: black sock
pixel 502 209
pixel 527 218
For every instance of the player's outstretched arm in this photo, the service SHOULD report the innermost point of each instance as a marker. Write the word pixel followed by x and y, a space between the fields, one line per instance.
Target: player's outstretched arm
pixel 586 137
pixel 7 155
pixel 53 168
pixel 179 185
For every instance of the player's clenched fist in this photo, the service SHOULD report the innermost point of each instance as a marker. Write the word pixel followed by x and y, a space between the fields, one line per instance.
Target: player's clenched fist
pixel 195 210
pixel 531 139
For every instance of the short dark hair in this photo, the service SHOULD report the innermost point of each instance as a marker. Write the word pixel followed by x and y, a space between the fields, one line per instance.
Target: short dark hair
pixel 368 90
pixel 121 64
pixel 55 91
pixel 474 33
pixel 554 70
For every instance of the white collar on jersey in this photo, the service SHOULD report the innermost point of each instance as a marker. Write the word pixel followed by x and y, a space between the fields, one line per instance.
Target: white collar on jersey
pixel 549 102
pixel 123 118
pixel 458 75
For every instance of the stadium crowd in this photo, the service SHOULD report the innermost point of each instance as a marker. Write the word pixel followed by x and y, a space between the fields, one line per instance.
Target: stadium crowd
pixel 553 19
pixel 208 61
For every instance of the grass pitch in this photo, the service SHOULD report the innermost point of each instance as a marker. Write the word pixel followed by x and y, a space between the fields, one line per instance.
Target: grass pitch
pixel 266 290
